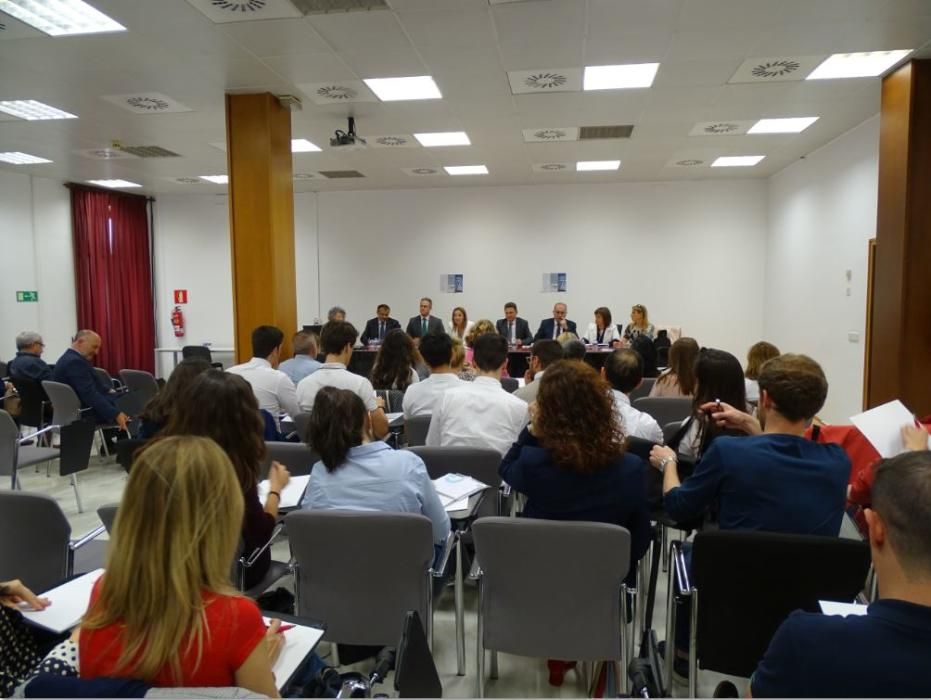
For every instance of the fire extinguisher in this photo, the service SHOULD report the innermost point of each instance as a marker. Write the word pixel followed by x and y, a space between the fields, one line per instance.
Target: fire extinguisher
pixel 177 322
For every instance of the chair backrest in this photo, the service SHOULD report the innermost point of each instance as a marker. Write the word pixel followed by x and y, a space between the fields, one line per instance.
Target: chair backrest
pixel 139 382
pixel 66 406
pixel 301 425
pixel 126 451
pixel 34 547
pixel 670 430
pixel 749 582
pixel 3 373
pixel 640 447
pixel 31 396
pixel 394 399
pixel 296 456
pixel 509 384
pixel 200 351
pixel 361 571
pixel 103 377
pixel 107 515
pixel 416 429
pixel 665 409
pixel 478 462
pixel 643 389
pixel 9 444
pixel 77 440
pixel 533 604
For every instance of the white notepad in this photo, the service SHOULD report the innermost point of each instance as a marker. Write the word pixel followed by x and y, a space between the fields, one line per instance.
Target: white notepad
pixel 832 607
pixel 457 486
pixel 299 641
pixel 292 494
pixel 882 426
pixel 69 603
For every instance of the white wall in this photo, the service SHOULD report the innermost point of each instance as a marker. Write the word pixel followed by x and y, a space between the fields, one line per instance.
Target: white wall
pixel 692 252
pixel 822 213
pixel 36 249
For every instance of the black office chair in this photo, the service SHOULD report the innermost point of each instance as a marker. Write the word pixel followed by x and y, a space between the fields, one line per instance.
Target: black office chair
pixel 509 384
pixel 200 351
pixel 35 406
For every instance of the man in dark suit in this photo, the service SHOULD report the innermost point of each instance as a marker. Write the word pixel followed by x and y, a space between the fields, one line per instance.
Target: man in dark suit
pixel 75 369
pixel 515 329
pixel 377 328
pixel 424 323
pixel 552 328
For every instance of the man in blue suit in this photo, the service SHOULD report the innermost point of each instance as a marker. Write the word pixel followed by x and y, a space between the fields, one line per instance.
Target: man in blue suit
pixel 74 368
pixel 552 328
pixel 377 328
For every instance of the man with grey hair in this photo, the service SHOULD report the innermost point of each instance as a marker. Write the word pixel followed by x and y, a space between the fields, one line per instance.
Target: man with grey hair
pixel 303 364
pixel 28 363
pixel 337 313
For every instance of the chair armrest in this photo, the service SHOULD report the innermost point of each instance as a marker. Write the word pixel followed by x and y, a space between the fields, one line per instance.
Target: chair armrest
pixel 84 539
pixel 251 559
pixel 677 562
pixel 440 568
pixel 475 572
pixel 30 436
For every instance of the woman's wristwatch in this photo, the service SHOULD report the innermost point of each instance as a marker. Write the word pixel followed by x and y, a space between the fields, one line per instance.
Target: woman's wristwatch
pixel 666 460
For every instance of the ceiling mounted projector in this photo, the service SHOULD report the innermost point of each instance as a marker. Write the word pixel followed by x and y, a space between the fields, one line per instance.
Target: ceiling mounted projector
pixel 348 139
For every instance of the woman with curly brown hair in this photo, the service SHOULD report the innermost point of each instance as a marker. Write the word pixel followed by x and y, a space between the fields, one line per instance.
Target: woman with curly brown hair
pixel 571 465
pixel 394 363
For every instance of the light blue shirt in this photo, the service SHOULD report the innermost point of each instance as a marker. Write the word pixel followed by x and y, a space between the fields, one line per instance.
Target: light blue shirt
pixel 376 477
pixel 299 366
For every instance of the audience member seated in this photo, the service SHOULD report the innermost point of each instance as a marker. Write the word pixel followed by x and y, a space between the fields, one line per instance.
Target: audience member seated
pixel 570 463
pixel 337 340
pixel 543 354
pixel 459 324
pixel 377 328
pixel 775 480
pixel 22 645
pixel 394 363
pixel 756 356
pixel 718 377
pixel 679 378
pixel 437 351
pixel 572 347
pixel 515 329
pixel 647 351
pixel 304 361
pixel 481 327
pixel 480 413
pixel 418 326
pixel 885 652
pixel 457 362
pixel 221 406
pixel 158 410
pixel 74 368
pixel 165 612
pixel 602 331
pixel 362 472
pixel 336 313
pixel 639 324
pixel 624 371
pixel 552 328
pixel 273 389
pixel 28 363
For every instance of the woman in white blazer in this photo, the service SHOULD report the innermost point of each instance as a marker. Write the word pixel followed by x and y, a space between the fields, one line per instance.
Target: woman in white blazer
pixel 602 331
pixel 460 325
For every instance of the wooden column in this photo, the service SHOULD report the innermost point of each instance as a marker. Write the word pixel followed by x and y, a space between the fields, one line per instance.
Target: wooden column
pixel 258 146
pixel 899 360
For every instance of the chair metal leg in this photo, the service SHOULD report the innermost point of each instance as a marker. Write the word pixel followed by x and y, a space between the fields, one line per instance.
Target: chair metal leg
pixel 670 627
pixel 77 494
pixel 480 648
pixel 493 670
pixel 693 645
pixel 460 612
pixel 429 593
pixel 664 538
pixel 626 628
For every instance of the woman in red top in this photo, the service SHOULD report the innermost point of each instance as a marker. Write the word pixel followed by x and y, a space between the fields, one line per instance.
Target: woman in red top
pixel 165 611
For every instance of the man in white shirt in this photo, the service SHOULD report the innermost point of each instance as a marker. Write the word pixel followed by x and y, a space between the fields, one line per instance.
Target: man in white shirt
pixel 273 389
pixel 337 339
pixel 480 413
pixel 420 398
pixel 624 371
pixel 543 354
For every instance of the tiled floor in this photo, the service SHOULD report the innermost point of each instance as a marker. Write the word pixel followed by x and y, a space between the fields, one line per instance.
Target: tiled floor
pixel 518 676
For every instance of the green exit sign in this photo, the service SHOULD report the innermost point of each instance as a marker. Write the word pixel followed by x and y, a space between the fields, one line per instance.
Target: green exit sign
pixel 27 296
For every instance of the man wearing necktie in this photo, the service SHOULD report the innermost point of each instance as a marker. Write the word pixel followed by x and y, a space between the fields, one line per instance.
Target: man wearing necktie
pixel 514 328
pixel 424 323
pixel 378 328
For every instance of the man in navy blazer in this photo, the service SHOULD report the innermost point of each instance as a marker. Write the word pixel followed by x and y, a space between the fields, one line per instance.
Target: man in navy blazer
pixel 75 369
pixel 552 328
pixel 377 328
pixel 417 324
pixel 511 321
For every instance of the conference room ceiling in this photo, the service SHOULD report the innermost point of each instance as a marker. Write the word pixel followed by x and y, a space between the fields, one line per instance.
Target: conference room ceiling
pixel 161 84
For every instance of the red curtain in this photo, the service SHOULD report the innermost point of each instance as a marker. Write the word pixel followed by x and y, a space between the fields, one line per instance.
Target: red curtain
pixel 113 276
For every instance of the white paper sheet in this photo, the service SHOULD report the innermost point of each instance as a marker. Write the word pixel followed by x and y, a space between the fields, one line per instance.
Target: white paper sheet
pixel 291 495
pixel 69 603
pixel 832 607
pixel 298 642
pixel 882 426
pixel 457 486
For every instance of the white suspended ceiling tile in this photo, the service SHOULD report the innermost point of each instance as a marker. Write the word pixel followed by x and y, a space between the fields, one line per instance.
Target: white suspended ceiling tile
pixel 310 67
pixel 394 63
pixel 377 30
pixel 276 37
pixel 222 11
pixel 450 29
pixel 614 49
pixel 655 15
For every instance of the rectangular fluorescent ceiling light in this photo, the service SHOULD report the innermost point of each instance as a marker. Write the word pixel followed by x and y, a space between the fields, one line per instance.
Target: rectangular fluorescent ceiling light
pixel 17 158
pixel 791 125
pixel 115 184
pixel 32 110
pixel 856 65
pixel 466 169
pixel 736 161
pixel 61 17
pixel 216 179
pixel 303 146
pixel 444 138
pixel 631 75
pixel 419 87
pixel 587 165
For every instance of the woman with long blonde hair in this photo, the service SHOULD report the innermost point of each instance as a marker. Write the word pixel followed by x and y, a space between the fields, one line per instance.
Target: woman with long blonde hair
pixel 165 612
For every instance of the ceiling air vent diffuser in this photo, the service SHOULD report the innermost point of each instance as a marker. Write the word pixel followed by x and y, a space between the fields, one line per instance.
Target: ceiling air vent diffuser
pixel 775 69
pixel 722 128
pixel 322 7
pixel 551 167
pixel 618 131
pixel 147 103
pixel 545 80
pixel 149 151
pixel 339 174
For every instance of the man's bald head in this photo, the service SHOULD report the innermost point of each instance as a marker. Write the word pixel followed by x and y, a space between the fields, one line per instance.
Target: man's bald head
pixel 87 343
